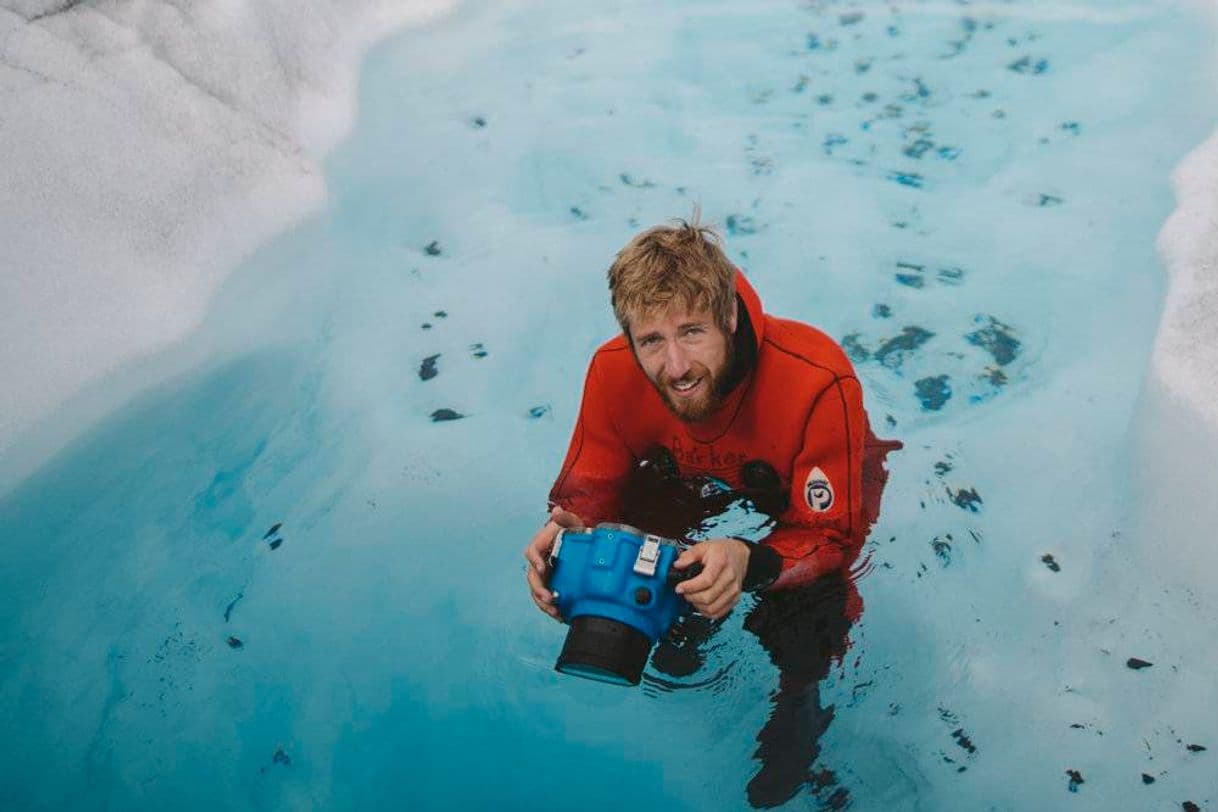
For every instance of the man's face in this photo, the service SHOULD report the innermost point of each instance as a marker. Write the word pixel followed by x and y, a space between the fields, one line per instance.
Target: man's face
pixel 686 355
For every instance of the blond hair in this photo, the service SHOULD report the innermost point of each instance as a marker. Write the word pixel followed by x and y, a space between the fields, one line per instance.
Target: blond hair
pixel 682 263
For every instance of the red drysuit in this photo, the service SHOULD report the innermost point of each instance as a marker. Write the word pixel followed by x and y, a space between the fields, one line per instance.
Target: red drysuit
pixel 799 409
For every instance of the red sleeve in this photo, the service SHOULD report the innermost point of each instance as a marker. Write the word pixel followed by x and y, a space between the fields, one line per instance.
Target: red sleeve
pixel 598 461
pixel 820 530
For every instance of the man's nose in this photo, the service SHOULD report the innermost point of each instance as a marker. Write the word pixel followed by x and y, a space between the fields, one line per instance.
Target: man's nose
pixel 676 361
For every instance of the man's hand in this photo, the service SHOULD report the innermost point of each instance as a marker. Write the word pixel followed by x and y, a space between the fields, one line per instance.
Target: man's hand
pixel 538 556
pixel 716 590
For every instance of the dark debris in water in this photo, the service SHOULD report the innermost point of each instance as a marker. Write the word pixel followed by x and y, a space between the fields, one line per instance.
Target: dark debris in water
pixel 832 141
pixel 855 350
pixel 1189 806
pixel 881 311
pixel 1076 780
pixel 1147 779
pixel 994 376
pixel 433 249
pixel 427 370
pixel 918 148
pixel 964 741
pixel 740 224
pixel 235 642
pixel 273 539
pixel 1137 664
pixel 910 179
pixel 281 757
pixel 1051 562
pixel 478 350
pixel 441 415
pixel 539 411
pixel 965 498
pixel 815 43
pixel 951 276
pixel 996 338
pixel 943 550
pixel 629 180
pixel 1027 65
pixel 578 213
pixel 892 352
pixel 933 392
pixel 274 529
pixel 228 612
pixel 478 122
pixel 1196 748
pixel 839 799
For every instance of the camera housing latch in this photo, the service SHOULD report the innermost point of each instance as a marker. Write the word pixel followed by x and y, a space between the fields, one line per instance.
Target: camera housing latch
pixel 649 556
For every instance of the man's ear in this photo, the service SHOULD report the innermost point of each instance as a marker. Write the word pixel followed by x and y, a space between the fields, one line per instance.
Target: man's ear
pixel 731 320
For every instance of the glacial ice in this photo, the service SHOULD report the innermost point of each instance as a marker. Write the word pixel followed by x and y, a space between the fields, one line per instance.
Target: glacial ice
pixel 147 148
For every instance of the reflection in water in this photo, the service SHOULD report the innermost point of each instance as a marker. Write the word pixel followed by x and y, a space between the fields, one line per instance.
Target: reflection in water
pixel 804 629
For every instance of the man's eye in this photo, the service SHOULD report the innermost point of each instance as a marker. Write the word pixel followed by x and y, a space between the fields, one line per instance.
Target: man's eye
pixel 649 341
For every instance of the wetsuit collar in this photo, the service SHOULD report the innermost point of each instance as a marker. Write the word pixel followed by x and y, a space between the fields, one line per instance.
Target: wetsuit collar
pixel 752 305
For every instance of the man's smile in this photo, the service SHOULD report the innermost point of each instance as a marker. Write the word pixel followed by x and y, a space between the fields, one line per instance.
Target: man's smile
pixel 686 388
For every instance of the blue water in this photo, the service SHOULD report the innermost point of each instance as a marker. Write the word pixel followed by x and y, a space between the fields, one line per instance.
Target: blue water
pixel 966 195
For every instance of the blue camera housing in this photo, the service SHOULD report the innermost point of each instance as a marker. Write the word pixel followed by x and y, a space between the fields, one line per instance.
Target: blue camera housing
pixel 602 573
pixel 615 588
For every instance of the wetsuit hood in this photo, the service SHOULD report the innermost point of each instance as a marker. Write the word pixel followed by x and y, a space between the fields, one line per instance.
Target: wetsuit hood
pixel 752 308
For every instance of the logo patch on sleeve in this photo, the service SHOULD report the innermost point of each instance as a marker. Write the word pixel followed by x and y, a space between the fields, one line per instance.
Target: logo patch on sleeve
pixel 818 492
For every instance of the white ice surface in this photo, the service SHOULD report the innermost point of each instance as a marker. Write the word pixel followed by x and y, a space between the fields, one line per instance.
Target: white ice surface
pixel 1177 424
pixel 145 148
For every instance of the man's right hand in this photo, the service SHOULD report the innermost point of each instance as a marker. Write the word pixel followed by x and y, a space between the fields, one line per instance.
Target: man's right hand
pixel 538 556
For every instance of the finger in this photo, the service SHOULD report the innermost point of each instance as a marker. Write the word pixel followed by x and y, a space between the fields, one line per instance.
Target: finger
pixel 720 586
pixel 723 606
pixel 565 518
pixel 540 547
pixel 549 609
pixel 537 586
pixel 685 559
pixel 692 555
pixel 712 569
pixel 696 585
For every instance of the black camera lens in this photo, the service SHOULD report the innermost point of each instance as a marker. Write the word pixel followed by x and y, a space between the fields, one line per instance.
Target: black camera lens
pixel 605 650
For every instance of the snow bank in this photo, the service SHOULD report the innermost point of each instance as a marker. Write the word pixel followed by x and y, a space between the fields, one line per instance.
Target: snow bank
pixel 147 148
pixel 1178 421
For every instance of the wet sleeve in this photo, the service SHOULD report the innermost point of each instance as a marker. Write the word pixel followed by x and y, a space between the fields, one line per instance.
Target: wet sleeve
pixel 597 464
pixel 820 530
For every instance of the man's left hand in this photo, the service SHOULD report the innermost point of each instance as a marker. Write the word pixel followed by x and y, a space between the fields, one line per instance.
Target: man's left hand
pixel 716 590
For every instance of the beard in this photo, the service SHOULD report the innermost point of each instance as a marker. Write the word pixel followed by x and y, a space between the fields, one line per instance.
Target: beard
pixel 713 388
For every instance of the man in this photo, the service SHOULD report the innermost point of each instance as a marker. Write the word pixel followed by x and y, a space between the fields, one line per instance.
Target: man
pixel 703 387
